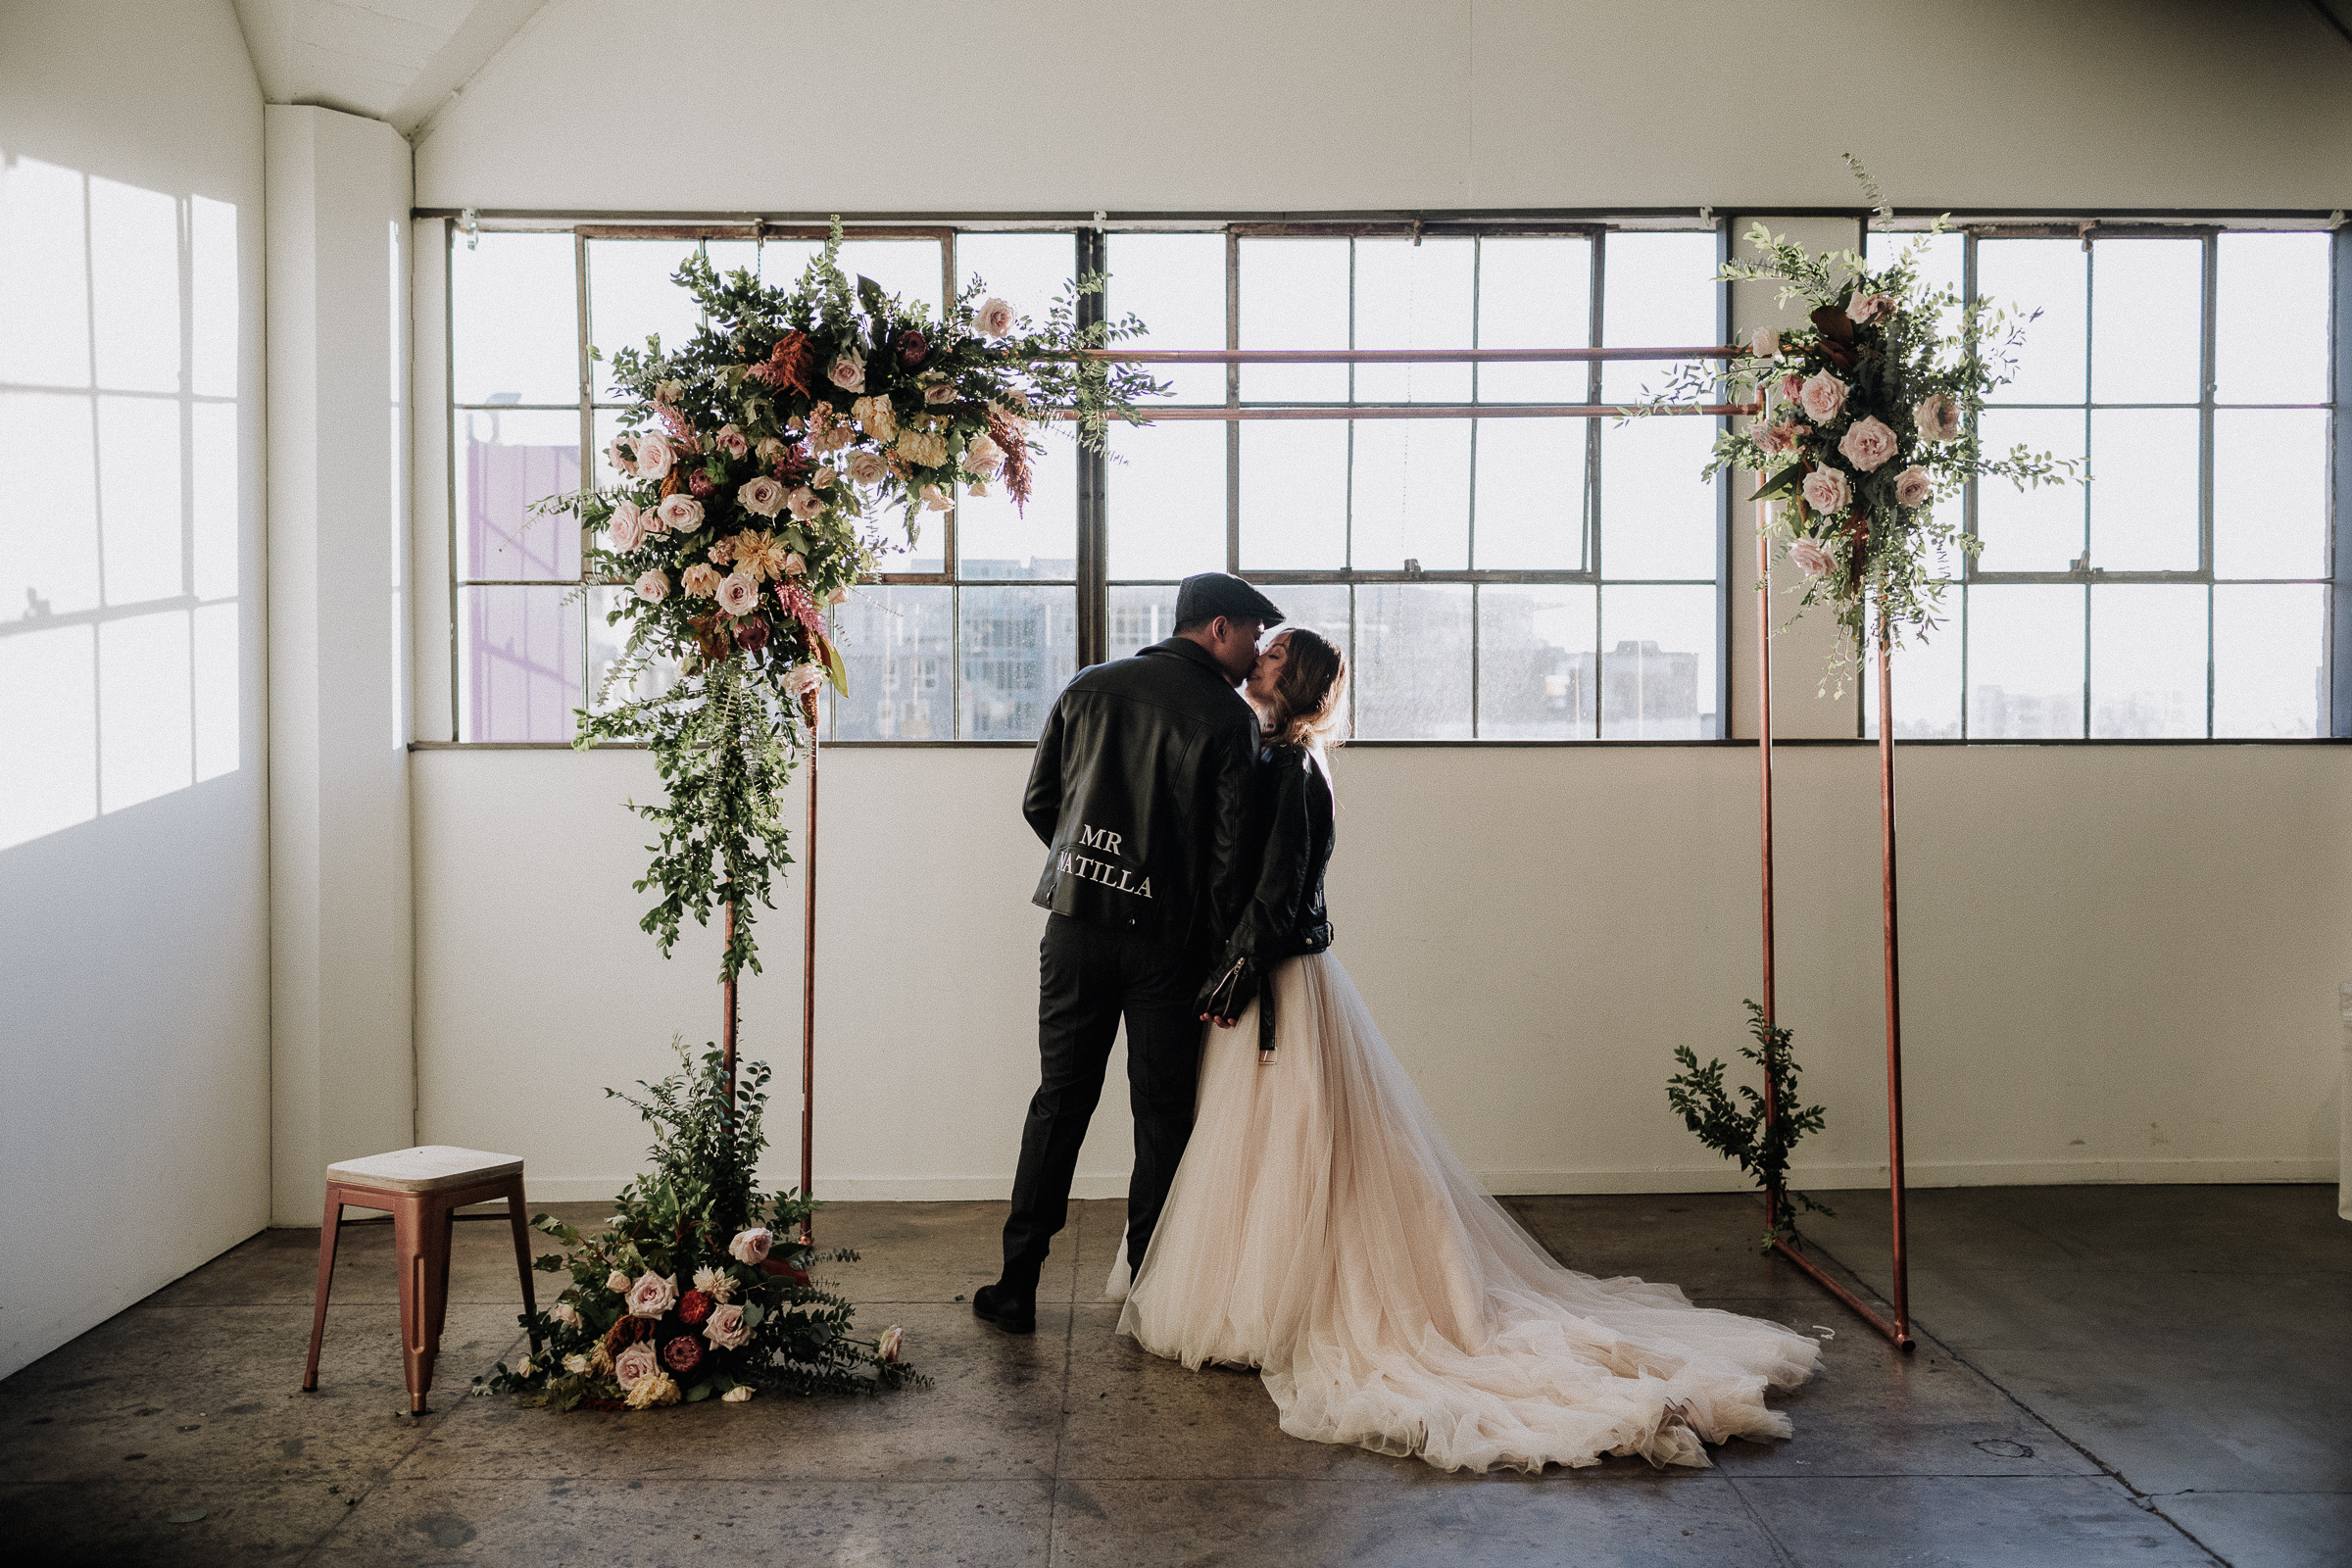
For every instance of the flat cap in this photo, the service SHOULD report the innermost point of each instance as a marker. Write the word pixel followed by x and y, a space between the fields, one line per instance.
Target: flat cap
pixel 1211 594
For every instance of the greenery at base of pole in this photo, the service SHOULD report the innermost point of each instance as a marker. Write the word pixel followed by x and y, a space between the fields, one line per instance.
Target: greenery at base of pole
pixel 1760 1143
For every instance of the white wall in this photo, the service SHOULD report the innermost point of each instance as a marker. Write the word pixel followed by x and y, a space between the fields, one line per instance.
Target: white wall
pixel 133 940
pixel 1384 103
pixel 2120 962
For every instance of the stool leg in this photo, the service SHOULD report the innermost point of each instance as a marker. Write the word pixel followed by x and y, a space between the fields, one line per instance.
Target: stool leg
pixel 522 1255
pixel 330 1231
pixel 446 1238
pixel 414 1233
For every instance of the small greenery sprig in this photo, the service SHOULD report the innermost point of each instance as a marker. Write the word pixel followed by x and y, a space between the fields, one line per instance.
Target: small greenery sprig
pixel 1761 1147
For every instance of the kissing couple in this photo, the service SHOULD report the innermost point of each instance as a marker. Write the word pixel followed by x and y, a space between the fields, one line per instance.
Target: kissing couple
pixel 1294 1206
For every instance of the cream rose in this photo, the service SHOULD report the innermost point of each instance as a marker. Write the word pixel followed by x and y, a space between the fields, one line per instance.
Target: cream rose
pixel 1869 308
pixel 1938 416
pixel 635 1364
pixel 837 596
pixel 726 1328
pixel 733 442
pixel 652 1294
pixel 763 497
pixel 848 373
pixel 1912 487
pixel 804 679
pixel 740 1394
pixel 653 587
pixel 939 392
pixel 983 456
pixel 680 514
pixel 803 503
pixel 794 563
pixel 879 418
pixel 565 1313
pixel 752 1245
pixel 1764 343
pixel 1827 491
pixel 617 455
pixel 1811 559
pixel 935 499
pixel 658 1388
pixel 576 1365
pixel 618 1283
pixel 769 449
pixel 700 580
pixel 1822 397
pixel 993 318
pixel 865 468
pixel 627 527
pixel 738 593
pixel 657 455
pixel 1867 444
pixel 886 1348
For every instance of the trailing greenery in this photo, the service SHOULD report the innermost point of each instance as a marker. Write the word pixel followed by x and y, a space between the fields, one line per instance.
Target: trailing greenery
pixel 1760 1147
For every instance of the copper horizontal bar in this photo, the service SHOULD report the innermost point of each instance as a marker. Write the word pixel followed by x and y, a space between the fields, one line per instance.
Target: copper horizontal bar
pixel 1392 355
pixel 1901 1337
pixel 1432 411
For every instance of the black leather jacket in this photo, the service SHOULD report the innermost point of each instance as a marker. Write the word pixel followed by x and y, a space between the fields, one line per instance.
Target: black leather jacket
pixel 1140 791
pixel 1292 834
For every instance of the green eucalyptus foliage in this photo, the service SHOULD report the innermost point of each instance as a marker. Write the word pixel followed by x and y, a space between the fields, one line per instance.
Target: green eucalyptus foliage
pixel 1738 1129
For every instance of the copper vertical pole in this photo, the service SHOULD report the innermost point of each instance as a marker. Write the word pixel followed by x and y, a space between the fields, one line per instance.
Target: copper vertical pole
pixel 1895 1010
pixel 809 975
pixel 1771 1196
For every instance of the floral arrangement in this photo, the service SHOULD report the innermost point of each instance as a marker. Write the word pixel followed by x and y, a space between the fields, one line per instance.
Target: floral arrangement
pixel 1738 1129
pixel 1868 424
pixel 693 1290
pixel 755 467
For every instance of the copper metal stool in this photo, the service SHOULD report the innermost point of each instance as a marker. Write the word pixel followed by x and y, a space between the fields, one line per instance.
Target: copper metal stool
pixel 424 1187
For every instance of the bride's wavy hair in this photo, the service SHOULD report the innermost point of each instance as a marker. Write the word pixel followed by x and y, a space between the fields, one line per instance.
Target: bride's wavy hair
pixel 1310 695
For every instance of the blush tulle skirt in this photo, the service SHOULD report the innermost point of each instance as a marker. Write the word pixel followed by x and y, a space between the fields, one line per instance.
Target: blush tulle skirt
pixel 1321 1230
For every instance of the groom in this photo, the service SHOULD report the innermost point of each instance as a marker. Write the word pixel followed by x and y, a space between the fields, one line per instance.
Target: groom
pixel 1139 789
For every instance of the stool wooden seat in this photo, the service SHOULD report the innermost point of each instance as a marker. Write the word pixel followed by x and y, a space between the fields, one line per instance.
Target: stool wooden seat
pixel 422 1188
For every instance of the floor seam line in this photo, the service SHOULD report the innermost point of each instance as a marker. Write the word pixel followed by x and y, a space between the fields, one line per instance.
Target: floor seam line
pixel 1748 1503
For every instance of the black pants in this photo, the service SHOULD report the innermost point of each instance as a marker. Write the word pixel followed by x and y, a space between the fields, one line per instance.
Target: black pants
pixel 1088 976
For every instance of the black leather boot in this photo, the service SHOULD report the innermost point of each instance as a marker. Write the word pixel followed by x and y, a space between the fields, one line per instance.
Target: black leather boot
pixel 1013 1310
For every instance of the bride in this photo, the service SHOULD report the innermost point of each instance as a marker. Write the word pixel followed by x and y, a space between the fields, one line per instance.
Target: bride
pixel 1321 1229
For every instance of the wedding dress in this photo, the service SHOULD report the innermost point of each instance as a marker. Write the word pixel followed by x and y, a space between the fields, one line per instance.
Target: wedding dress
pixel 1321 1229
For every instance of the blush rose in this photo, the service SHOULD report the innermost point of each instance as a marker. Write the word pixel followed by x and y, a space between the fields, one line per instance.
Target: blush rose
pixel 1822 397
pixel 1827 491
pixel 752 1245
pixel 1811 559
pixel 680 514
pixel 738 593
pixel 1912 486
pixel 1867 444
pixel 652 1296
pixel 848 373
pixel 993 318
pixel 726 1329
pixel 635 1364
pixel 1938 416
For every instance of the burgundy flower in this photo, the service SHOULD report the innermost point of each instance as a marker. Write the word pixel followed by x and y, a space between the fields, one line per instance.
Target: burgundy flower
pixel 795 465
pixel 750 635
pixel 694 1305
pixel 912 347
pixel 700 483
pixel 683 1354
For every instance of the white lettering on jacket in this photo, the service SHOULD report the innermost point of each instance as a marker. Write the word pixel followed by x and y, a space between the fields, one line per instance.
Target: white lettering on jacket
pixel 1070 864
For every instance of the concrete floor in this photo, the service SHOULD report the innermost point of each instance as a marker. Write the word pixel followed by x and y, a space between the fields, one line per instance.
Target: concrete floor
pixel 2109 1374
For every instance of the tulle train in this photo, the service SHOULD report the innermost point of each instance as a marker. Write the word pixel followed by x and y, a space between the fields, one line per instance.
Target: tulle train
pixel 1321 1230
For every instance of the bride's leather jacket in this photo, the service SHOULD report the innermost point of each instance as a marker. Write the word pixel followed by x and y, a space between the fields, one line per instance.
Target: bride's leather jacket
pixel 1285 916
pixel 1142 792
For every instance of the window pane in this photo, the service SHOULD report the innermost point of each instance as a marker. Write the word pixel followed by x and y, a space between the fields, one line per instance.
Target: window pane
pixel 1145 614
pixel 513 459
pixel 2025 661
pixel 2149 313
pixel 1535 661
pixel 1531 496
pixel 2037 529
pixel 2271 326
pixel 994 539
pixel 631 296
pixel 2270 493
pixel 1324 607
pixel 1534 294
pixel 1927 680
pixel 1166 500
pixel 1294 495
pixel 1030 271
pixel 2147 660
pixel 1941 261
pixel 896 649
pixel 606 643
pixel 2045 276
pixel 1412 662
pixel 1658 518
pixel 1657 665
pixel 1176 283
pixel 2143 490
pixel 521 657
pixel 2266 661
pixel 1410 296
pixel 1293 296
pixel 909 269
pixel 1020 649
pixel 1410 495
pixel 1657 291
pixel 514 319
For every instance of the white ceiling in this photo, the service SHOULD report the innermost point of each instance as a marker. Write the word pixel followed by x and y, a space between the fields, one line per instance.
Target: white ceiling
pixel 397 61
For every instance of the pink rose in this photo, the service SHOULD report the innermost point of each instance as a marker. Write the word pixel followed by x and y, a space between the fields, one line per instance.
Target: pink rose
pixel 935 499
pixel 627 527
pixel 763 497
pixel 700 580
pixel 652 1296
pixel 1790 385
pixel 737 595
pixel 680 514
pixel 983 456
pixel 1867 444
pixel 1764 343
pixel 804 679
pixel 1827 491
pixel 888 1347
pixel 1912 486
pixel 752 1245
pixel 565 1313
pixel 726 1329
pixel 837 596
pixel 733 442
pixel 939 392
pixel 1869 308
pixel 848 373
pixel 618 1283
pixel 656 454
pixel 993 318
pixel 1822 397
pixel 635 1364
pixel 803 503
pixel 794 563
pixel 867 468
pixel 653 587
pixel 617 455
pixel 1781 438
pixel 1811 559
pixel 1938 416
